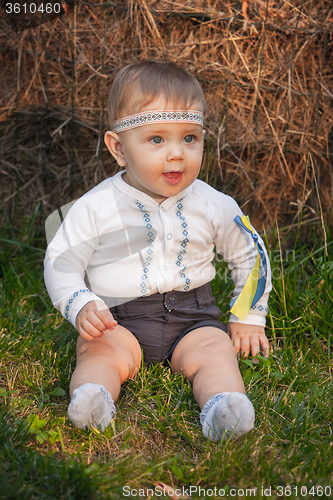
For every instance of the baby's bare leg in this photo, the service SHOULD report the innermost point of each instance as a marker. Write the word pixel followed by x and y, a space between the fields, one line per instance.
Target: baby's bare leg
pixel 107 360
pixel 208 360
pixel 103 364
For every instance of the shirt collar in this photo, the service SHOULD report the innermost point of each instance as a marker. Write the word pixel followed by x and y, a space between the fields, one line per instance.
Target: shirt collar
pixel 139 195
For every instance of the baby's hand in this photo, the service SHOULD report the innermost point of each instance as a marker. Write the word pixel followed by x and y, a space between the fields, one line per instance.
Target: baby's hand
pixel 93 320
pixel 248 337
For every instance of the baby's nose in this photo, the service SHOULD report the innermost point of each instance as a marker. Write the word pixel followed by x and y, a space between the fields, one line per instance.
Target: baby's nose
pixel 175 152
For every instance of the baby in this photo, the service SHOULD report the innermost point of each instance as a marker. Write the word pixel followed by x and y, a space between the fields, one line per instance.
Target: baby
pixel 131 265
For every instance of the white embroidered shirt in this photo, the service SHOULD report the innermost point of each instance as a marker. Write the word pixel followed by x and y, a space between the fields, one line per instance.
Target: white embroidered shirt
pixel 117 243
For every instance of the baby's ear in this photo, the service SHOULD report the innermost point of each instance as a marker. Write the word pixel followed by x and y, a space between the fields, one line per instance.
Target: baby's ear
pixel 115 147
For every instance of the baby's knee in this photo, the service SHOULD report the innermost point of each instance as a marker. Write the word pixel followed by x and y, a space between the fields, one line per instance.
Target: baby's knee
pixel 215 355
pixel 208 353
pixel 217 347
pixel 126 359
pixel 89 348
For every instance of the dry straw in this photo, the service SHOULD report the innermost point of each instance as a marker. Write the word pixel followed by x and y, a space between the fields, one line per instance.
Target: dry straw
pixel 266 69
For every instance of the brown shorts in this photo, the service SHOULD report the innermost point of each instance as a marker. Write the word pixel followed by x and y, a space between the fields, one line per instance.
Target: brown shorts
pixel 161 320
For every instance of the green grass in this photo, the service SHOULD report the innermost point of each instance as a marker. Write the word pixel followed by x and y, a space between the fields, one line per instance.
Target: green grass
pixel 157 434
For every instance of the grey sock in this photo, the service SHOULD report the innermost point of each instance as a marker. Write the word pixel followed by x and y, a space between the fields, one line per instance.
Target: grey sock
pixel 228 414
pixel 91 404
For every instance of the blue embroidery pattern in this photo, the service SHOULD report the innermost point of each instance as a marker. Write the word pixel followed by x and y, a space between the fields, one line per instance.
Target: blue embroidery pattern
pixel 147 261
pixel 183 244
pixel 72 300
pixel 261 309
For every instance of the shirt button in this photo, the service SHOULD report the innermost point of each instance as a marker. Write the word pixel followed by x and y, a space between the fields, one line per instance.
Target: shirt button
pixel 164 268
pixel 163 209
pixel 173 299
pixel 169 236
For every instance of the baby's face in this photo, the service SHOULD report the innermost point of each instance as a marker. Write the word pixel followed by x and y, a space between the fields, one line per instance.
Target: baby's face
pixel 161 159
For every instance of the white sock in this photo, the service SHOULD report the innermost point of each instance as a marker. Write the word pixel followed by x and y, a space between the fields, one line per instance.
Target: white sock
pixel 228 414
pixel 91 404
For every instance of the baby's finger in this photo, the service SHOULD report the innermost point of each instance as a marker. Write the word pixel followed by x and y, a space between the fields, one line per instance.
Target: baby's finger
pixel 84 334
pixel 265 345
pixel 107 319
pixel 88 331
pixel 245 347
pixel 94 320
pixel 236 343
pixel 255 345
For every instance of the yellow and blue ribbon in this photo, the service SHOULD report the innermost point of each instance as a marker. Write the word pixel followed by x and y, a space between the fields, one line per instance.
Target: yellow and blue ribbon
pixel 254 287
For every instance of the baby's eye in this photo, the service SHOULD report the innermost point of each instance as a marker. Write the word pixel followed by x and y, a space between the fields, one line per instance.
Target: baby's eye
pixel 156 140
pixel 189 138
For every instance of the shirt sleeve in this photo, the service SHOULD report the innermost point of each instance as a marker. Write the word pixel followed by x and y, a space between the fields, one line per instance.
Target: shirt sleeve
pixel 238 250
pixel 67 258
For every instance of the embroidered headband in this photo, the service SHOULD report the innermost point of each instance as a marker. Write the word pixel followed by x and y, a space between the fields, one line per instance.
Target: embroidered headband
pixel 146 117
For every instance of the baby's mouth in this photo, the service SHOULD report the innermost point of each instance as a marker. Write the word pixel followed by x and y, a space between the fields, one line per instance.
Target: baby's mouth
pixel 173 177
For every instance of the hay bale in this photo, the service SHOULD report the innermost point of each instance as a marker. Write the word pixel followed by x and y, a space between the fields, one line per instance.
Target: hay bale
pixel 267 78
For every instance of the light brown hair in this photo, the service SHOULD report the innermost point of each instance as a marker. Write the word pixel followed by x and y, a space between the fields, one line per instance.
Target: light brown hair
pixel 139 84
